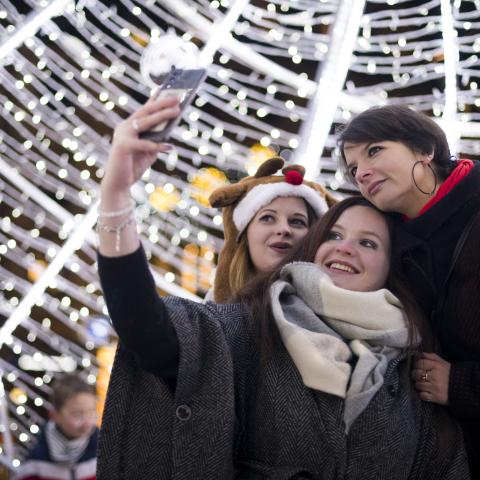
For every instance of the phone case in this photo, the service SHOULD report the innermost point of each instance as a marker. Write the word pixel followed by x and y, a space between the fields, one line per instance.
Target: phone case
pixel 182 83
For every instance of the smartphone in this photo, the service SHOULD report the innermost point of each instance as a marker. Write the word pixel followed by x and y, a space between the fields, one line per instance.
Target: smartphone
pixel 182 83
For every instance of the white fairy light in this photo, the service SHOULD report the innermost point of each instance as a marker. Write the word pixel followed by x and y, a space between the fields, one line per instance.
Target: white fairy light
pixel 60 108
pixel 450 46
pixel 32 23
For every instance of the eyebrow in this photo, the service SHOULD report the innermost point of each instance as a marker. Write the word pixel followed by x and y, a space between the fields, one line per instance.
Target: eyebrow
pixel 367 146
pixel 272 210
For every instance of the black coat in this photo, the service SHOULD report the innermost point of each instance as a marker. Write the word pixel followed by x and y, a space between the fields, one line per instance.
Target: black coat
pixel 232 416
pixel 449 292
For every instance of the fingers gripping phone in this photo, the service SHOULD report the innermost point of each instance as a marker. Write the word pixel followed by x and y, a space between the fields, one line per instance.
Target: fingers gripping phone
pixel 181 83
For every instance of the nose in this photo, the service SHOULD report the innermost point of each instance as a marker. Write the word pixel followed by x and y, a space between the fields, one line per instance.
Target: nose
pixel 362 174
pixel 283 228
pixel 345 247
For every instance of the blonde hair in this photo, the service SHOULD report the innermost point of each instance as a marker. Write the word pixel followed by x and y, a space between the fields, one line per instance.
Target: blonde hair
pixel 241 268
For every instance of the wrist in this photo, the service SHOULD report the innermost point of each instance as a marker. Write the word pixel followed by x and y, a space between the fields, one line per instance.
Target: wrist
pixel 109 191
pixel 122 212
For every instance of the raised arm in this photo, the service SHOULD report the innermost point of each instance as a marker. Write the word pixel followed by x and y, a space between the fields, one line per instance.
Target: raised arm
pixel 129 158
pixel 136 310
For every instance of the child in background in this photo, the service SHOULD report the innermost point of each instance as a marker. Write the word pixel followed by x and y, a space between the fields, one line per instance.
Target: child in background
pixel 66 447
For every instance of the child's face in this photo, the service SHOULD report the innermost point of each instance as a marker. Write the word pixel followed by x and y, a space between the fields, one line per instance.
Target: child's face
pixel 78 416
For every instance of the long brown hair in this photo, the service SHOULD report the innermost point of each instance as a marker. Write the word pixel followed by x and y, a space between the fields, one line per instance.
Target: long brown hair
pixel 256 292
pixel 241 268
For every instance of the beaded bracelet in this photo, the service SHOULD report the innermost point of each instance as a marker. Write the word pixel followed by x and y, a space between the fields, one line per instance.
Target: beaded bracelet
pixel 117 213
pixel 116 229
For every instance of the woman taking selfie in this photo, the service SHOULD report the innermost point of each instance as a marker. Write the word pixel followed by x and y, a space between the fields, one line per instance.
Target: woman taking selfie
pixel 401 162
pixel 306 376
pixel 264 215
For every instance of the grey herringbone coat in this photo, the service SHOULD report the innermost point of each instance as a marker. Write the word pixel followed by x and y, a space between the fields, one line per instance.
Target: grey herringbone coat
pixel 231 418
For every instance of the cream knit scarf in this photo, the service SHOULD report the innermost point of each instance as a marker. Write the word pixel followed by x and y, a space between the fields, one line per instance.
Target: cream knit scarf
pixel 322 326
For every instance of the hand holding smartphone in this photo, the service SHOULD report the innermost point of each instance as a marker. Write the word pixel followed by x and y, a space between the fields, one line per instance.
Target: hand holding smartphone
pixel 182 83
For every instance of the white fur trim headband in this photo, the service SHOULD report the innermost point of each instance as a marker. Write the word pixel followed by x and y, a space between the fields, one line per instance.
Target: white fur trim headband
pixel 261 195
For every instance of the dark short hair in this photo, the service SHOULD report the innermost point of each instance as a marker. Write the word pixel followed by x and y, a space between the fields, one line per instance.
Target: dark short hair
pixel 399 123
pixel 67 386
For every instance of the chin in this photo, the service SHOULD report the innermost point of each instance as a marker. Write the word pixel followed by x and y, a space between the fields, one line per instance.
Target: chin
pixel 347 286
pixel 339 284
pixel 385 205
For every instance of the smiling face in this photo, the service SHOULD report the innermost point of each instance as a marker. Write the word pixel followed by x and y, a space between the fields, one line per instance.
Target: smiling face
pixel 275 230
pixel 383 173
pixel 356 254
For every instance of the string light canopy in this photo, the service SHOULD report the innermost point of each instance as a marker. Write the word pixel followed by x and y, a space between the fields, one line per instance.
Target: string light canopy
pixel 70 71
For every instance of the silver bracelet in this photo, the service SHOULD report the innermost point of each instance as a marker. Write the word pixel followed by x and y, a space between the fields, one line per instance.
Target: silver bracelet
pixel 116 229
pixel 117 213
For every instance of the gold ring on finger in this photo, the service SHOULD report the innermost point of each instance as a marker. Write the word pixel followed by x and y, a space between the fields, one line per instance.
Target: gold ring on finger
pixel 424 376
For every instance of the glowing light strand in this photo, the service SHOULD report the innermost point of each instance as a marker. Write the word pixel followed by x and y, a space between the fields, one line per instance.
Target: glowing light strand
pixel 331 78
pixel 450 47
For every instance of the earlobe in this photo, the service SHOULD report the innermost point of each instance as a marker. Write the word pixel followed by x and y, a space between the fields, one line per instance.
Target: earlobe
pixel 429 158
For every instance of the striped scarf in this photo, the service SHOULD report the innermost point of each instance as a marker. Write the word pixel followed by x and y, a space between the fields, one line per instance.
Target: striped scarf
pixel 62 449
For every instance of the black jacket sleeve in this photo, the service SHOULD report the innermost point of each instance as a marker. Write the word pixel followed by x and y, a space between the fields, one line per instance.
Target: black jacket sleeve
pixel 464 390
pixel 138 313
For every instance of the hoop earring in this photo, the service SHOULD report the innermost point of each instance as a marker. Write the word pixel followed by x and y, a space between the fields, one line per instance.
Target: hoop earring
pixel 434 176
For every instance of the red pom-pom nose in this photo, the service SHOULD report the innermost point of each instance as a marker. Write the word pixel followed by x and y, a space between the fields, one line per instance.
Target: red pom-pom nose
pixel 293 177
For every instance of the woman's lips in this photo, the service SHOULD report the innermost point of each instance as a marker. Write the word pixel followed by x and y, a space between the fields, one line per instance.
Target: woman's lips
pixel 343 267
pixel 281 247
pixel 375 187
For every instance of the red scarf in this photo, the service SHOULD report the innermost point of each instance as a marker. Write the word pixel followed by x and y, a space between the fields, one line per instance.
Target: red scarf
pixel 461 170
